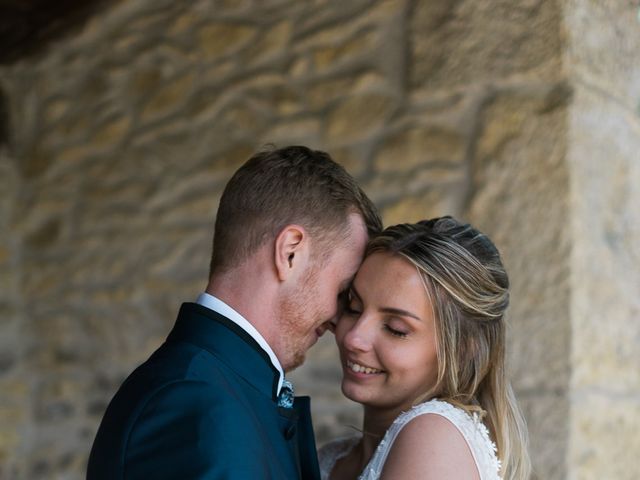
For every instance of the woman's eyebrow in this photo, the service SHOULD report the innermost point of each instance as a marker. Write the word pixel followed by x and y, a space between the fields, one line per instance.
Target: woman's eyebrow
pixel 390 310
pixel 398 311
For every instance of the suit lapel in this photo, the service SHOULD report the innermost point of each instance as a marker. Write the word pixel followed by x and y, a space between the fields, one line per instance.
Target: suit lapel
pixel 309 469
pixel 223 338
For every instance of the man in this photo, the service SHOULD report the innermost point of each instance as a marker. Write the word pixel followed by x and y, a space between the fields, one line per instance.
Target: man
pixel 212 401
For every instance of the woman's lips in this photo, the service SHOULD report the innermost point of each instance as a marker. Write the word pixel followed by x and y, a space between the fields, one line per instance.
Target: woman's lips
pixel 358 368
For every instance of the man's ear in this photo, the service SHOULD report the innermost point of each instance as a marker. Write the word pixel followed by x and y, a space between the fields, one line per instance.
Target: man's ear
pixel 290 250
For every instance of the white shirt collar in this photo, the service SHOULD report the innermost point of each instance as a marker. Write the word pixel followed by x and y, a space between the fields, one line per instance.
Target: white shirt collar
pixel 217 305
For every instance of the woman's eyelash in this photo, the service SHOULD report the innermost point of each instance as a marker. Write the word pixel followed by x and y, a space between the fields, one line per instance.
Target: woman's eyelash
pixel 394 332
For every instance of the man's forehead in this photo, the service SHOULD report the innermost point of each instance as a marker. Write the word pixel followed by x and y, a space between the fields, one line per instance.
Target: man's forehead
pixel 350 267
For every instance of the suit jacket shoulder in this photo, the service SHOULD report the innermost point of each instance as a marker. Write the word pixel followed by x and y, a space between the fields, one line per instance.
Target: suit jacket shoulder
pixel 203 405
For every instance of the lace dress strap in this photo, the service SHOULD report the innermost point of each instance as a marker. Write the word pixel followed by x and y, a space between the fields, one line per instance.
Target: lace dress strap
pixel 472 429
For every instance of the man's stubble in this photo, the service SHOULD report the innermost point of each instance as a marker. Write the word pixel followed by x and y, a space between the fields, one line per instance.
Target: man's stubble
pixel 301 314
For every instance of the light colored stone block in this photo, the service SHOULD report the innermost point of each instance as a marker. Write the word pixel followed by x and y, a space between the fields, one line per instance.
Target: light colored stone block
pixel 221 39
pixel 358 116
pixel 464 42
pixel 604 440
pixel 418 146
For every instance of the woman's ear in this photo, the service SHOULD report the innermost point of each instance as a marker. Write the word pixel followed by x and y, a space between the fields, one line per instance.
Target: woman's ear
pixel 290 251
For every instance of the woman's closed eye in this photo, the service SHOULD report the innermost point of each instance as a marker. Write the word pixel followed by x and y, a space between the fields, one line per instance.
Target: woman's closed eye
pixel 395 331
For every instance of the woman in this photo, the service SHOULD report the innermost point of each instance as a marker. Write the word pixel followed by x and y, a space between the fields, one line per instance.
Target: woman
pixel 422 349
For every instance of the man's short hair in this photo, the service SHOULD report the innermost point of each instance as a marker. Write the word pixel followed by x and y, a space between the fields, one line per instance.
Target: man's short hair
pixel 278 187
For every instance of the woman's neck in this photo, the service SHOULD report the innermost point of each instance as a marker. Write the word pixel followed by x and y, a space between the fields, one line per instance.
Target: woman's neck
pixel 375 424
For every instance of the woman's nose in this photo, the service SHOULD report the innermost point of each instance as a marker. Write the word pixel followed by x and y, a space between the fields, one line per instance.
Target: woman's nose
pixel 359 337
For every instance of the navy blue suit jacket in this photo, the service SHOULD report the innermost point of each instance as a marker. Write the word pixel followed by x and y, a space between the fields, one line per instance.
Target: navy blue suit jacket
pixel 204 407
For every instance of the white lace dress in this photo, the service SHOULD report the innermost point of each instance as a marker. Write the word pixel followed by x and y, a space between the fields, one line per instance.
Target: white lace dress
pixel 472 429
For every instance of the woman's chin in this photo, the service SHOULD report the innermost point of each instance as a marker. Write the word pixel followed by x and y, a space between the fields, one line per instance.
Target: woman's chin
pixel 354 393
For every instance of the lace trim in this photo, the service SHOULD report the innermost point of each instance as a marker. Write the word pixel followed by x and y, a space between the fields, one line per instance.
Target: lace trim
pixel 473 430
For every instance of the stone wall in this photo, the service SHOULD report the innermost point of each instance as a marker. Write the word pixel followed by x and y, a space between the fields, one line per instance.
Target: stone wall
pixel 120 137
pixel 604 158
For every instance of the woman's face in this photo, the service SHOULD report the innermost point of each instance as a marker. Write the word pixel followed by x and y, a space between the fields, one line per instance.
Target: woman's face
pixel 386 336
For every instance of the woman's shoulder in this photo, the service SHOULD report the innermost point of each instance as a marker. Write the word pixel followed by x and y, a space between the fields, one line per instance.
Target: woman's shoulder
pixel 432 444
pixel 453 437
pixel 469 424
pixel 334 450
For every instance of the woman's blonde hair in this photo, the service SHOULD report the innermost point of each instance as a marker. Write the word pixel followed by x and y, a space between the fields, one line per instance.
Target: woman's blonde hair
pixel 469 291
